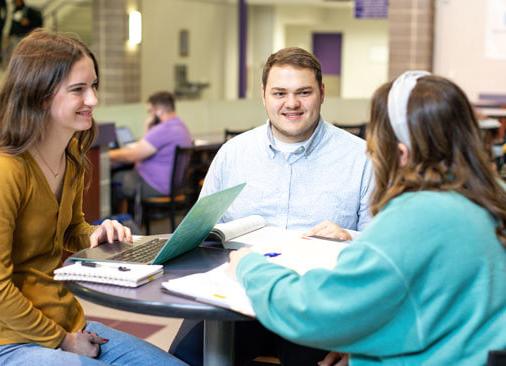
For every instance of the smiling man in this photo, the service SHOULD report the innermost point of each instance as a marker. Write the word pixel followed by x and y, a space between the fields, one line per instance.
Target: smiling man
pixel 300 171
pixel 292 98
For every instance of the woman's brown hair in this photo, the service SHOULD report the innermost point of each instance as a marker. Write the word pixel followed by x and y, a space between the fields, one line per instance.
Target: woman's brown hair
pixel 446 154
pixel 38 65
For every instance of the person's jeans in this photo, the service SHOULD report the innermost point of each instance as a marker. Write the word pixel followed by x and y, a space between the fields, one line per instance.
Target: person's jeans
pixel 125 185
pixel 122 349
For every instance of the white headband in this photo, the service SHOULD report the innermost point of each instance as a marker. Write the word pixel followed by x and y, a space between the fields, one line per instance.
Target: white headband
pixel 398 103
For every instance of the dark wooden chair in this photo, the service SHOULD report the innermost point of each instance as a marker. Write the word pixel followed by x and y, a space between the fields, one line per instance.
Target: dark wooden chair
pixel 231 133
pixel 357 130
pixel 265 361
pixel 496 358
pixel 203 156
pixel 181 198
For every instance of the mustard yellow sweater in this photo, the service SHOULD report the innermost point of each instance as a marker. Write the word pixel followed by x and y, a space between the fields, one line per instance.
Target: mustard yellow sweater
pixel 34 230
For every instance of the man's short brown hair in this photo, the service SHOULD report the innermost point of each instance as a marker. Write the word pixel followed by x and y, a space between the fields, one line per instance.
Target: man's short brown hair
pixel 296 57
pixel 162 99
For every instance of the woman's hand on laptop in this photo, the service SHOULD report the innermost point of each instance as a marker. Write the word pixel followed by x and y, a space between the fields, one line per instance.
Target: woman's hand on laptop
pixel 330 230
pixel 110 230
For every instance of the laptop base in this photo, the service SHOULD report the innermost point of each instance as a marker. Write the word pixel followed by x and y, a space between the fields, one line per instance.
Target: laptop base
pixel 102 252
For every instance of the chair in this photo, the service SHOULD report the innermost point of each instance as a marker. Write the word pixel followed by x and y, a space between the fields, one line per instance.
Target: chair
pixel 265 361
pixel 202 158
pixel 231 133
pixel 496 358
pixel 357 130
pixel 182 196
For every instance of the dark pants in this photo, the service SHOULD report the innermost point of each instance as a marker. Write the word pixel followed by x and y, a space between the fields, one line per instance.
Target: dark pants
pixel 251 340
pixel 125 184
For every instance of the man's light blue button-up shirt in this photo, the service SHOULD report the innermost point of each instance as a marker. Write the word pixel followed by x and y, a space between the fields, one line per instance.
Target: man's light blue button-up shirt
pixel 327 178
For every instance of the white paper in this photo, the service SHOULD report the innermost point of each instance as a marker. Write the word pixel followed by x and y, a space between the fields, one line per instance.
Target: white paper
pixel 213 287
pixel 268 235
pixel 217 288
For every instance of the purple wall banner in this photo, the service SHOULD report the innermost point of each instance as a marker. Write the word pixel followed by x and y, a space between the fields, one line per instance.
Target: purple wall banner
pixel 371 8
pixel 327 49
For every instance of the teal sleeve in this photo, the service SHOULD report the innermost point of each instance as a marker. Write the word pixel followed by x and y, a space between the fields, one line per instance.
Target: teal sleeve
pixel 350 308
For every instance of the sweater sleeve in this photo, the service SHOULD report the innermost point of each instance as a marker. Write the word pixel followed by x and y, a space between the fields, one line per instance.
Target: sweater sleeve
pixel 77 235
pixel 350 308
pixel 16 311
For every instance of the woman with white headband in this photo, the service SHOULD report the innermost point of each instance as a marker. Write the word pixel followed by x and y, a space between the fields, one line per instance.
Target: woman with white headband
pixel 424 284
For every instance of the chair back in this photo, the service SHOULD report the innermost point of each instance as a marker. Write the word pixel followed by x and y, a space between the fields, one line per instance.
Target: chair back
pixel 181 179
pixel 190 168
pixel 231 133
pixel 496 358
pixel 357 130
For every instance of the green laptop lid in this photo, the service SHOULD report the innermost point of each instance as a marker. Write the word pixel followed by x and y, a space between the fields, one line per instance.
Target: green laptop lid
pixel 198 223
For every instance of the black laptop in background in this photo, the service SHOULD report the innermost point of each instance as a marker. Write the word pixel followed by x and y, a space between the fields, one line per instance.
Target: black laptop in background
pixel 124 136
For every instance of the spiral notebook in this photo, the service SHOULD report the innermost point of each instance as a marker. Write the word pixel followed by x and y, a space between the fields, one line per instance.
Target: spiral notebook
pixel 128 275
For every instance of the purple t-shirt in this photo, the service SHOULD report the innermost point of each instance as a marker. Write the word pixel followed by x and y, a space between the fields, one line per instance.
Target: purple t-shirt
pixel 165 136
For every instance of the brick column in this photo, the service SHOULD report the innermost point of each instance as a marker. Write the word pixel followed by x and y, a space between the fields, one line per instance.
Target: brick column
pixel 411 28
pixel 119 64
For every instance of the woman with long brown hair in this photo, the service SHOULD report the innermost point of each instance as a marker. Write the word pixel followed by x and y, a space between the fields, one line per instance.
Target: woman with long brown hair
pixel 46 128
pixel 424 282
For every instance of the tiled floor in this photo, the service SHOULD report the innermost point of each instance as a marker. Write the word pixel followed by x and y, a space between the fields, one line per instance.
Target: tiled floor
pixel 158 330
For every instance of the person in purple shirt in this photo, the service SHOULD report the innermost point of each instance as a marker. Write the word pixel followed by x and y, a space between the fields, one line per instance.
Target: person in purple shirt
pixel 153 155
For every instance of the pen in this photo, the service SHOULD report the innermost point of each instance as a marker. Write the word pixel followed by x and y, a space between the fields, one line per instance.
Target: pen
pixel 323 238
pixel 95 264
pixel 271 255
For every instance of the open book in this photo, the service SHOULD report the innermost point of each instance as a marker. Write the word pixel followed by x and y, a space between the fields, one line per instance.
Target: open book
pixel 216 287
pixel 227 231
pixel 251 231
pixel 120 274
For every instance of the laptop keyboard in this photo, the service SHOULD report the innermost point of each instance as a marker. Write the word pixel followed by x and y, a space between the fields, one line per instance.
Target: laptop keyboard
pixel 143 253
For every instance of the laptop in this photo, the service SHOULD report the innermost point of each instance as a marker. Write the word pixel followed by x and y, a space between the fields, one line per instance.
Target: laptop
pixel 106 135
pixel 124 136
pixel 194 228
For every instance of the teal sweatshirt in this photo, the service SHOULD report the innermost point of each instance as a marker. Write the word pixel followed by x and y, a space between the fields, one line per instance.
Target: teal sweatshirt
pixel 424 284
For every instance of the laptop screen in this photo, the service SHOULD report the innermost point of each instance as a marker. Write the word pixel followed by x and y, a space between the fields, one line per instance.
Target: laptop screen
pixel 194 228
pixel 124 136
pixel 198 223
pixel 105 135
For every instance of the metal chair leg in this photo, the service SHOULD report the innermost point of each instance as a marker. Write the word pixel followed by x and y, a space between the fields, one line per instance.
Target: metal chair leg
pixel 147 219
pixel 172 217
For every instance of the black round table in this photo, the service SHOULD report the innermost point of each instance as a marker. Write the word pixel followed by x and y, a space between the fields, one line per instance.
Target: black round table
pixel 151 299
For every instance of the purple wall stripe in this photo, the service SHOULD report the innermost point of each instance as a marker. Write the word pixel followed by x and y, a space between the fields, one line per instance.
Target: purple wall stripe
pixel 243 34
